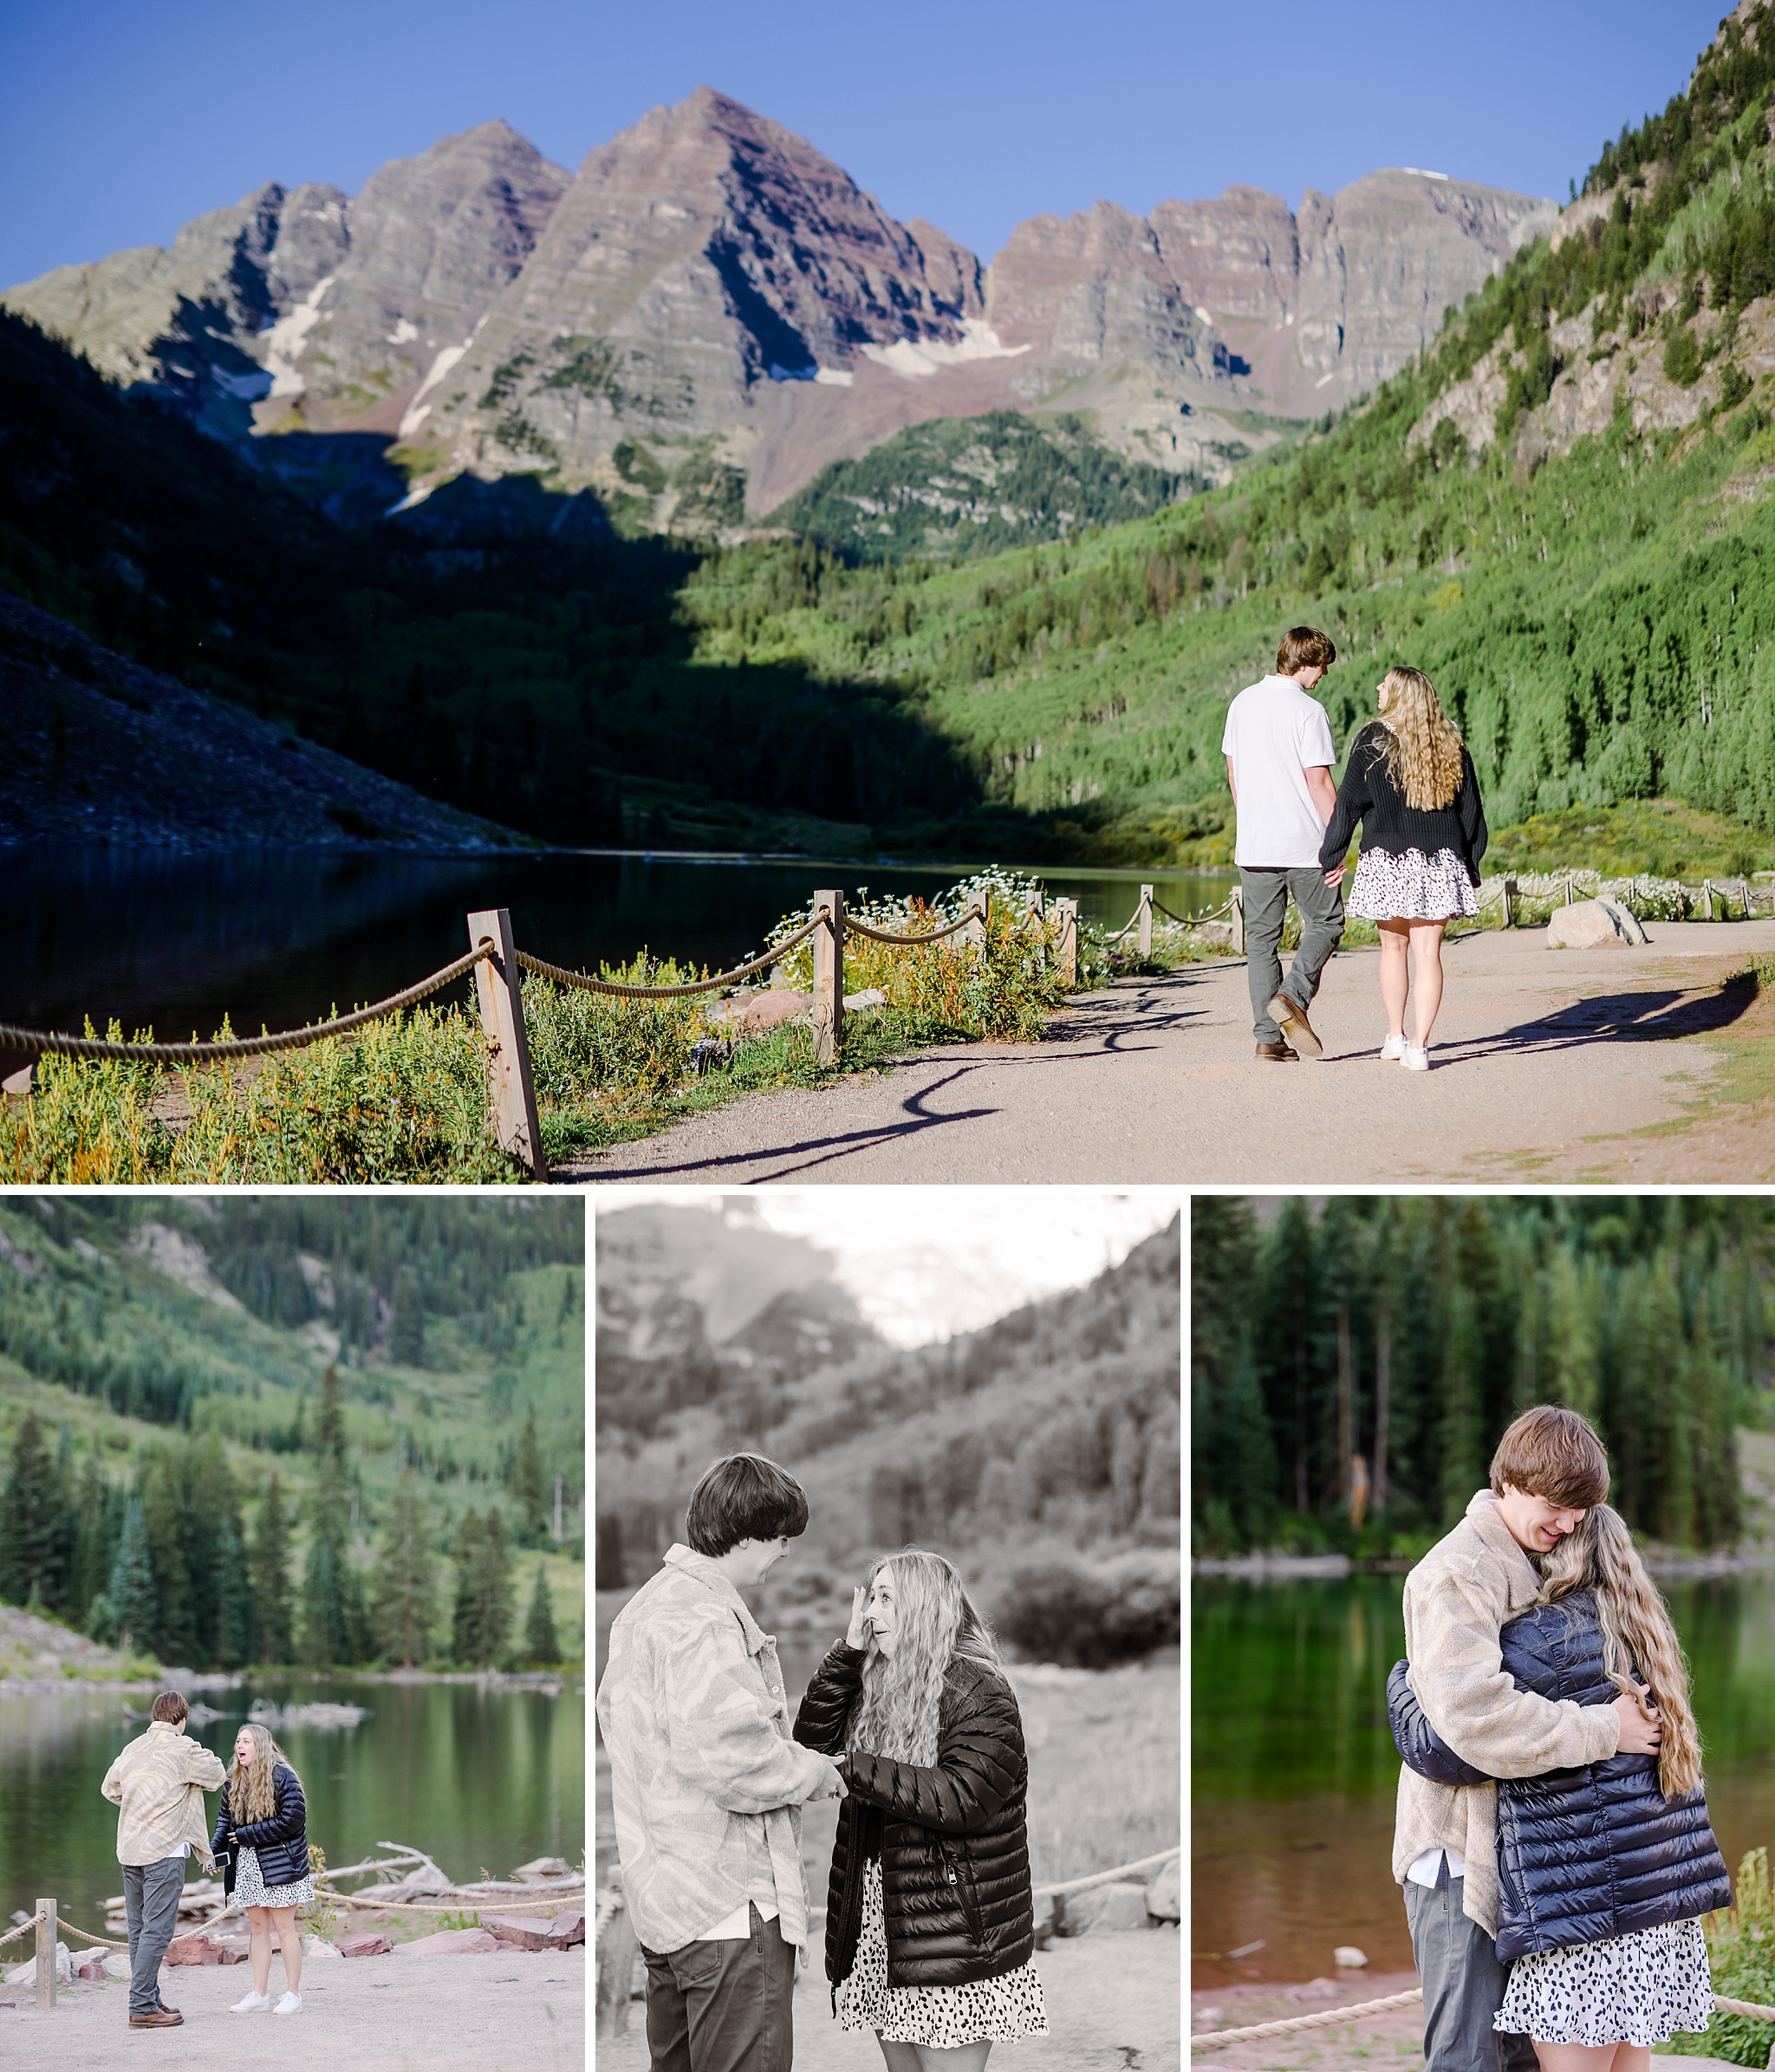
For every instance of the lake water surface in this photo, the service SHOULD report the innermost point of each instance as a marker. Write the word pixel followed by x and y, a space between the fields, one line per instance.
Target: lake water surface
pixel 482 1779
pixel 1293 1771
pixel 275 938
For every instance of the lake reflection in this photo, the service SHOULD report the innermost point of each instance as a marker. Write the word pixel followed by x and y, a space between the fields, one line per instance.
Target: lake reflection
pixel 482 1779
pixel 1293 1771
pixel 275 938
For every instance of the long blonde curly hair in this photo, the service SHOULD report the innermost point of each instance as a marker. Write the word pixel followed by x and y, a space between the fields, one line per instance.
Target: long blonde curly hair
pixel 935 1626
pixel 1600 1556
pixel 1422 746
pixel 252 1787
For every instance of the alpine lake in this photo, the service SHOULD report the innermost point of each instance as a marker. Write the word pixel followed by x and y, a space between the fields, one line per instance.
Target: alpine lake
pixel 275 938
pixel 482 1777
pixel 1293 1770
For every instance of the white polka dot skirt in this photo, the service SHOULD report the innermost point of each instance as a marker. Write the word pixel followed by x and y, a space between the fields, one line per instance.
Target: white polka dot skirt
pixel 1630 1989
pixel 1411 887
pixel 991 2010
pixel 251 1890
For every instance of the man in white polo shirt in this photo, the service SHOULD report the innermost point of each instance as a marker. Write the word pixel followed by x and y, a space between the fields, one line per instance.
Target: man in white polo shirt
pixel 1277 745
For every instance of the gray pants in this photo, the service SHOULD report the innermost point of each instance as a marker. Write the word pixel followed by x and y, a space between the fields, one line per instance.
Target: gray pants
pixel 1266 896
pixel 723 2007
pixel 151 1904
pixel 1463 1984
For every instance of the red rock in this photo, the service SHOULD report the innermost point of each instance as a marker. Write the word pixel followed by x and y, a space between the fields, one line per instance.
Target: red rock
pixel 523 1930
pixel 365 1943
pixel 93 1967
pixel 193 1949
pixel 566 1929
pixel 450 1942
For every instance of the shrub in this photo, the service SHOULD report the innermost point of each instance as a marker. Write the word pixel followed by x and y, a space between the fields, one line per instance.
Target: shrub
pixel 1091 1616
pixel 1741 1952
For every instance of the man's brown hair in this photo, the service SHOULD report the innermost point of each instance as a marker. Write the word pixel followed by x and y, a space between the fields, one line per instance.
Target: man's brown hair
pixel 1553 1452
pixel 169 1705
pixel 1304 647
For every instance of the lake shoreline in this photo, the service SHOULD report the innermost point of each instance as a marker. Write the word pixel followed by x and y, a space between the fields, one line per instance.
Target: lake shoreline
pixel 232 1679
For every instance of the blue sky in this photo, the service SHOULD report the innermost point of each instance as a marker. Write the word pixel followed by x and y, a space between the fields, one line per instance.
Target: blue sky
pixel 119 121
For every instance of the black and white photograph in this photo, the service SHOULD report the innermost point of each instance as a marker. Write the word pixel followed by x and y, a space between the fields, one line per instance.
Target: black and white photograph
pixel 888 1586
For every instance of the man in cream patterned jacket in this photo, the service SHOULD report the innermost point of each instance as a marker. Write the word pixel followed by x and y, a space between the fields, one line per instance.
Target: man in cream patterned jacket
pixel 707 1782
pixel 1549 1469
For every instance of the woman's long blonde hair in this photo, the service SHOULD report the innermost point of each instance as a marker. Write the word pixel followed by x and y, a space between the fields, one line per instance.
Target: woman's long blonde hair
pixel 1421 747
pixel 252 1787
pixel 935 1625
pixel 1600 1556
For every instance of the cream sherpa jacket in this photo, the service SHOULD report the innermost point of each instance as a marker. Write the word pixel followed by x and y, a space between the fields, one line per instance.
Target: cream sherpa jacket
pixel 157 1784
pixel 1457 1597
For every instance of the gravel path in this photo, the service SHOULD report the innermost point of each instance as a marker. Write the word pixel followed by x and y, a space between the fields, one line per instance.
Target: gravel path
pixel 1611 1064
pixel 1112 2007
pixel 474 2013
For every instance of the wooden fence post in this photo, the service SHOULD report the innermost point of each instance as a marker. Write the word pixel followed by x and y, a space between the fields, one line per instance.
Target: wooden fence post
pixel 1035 912
pixel 976 929
pixel 1239 920
pixel 1068 955
pixel 1145 919
pixel 511 1090
pixel 829 980
pixel 614 1956
pixel 1707 899
pixel 46 1953
pixel 1510 902
pixel 1744 893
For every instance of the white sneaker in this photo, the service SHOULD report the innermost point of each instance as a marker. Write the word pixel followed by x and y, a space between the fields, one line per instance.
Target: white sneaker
pixel 251 2005
pixel 1393 1049
pixel 1415 1060
pixel 289 2004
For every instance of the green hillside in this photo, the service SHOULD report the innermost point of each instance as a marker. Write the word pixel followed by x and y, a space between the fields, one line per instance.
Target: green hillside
pixel 961 486
pixel 272 1429
pixel 1597 618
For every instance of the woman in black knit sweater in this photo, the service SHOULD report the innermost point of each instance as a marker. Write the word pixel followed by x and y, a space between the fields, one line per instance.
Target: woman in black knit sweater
pixel 1409 781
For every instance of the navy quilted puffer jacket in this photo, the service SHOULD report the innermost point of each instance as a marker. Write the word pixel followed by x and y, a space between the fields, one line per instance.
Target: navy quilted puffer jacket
pixel 1585 1853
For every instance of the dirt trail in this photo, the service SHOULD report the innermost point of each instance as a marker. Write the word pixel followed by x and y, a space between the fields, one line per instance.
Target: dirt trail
pixel 1389 2043
pixel 1112 2007
pixel 400 2014
pixel 1611 1064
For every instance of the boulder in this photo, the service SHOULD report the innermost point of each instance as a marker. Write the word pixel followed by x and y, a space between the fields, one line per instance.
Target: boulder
pixel 1590 923
pixel 318 1946
pixel 540 1868
pixel 26 1973
pixel 1101 1909
pixel 450 1942
pixel 199 1949
pixel 567 1929
pixel 366 1942
pixel 116 1964
pixel 1346 1957
pixel 523 1931
pixel 90 1968
pixel 1165 1893
pixel 1315 1989
pixel 1045 1912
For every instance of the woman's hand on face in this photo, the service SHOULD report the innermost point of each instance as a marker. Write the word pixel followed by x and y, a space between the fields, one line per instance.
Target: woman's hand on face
pixel 857 1634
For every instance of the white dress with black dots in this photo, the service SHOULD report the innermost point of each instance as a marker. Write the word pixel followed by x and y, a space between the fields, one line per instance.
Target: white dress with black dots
pixel 991 2010
pixel 1411 887
pixel 251 1890
pixel 1630 1989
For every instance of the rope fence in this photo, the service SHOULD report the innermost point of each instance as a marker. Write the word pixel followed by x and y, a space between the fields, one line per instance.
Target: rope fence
pixel 1122 1870
pixel 1216 2039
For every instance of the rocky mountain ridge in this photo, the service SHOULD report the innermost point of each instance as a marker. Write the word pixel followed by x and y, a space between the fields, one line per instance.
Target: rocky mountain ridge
pixel 709 311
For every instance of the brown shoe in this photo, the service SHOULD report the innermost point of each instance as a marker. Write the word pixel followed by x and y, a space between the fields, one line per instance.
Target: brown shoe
pixel 158 2017
pixel 165 2010
pixel 1296 1027
pixel 1277 1054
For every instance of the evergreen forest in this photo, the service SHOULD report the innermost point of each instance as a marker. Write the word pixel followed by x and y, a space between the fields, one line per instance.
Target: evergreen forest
pixel 1355 1360
pixel 289 1431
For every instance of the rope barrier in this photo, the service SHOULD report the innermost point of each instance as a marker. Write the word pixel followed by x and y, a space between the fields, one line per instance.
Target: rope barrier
pixel 87 1936
pixel 668 992
pixel 11 1933
pixel 1122 1870
pixel 36 1042
pixel 492 1906
pixel 875 935
pixel 1215 2038
pixel 1189 920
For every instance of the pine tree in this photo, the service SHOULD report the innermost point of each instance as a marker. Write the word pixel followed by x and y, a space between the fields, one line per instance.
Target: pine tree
pixel 36 1531
pixel 131 1589
pixel 332 1608
pixel 407 1337
pixel 326 1634
pixel 174 1638
pixel 403 1607
pixel 1463 1467
pixel 541 1646
pixel 268 1571
pixel 234 1640
pixel 527 1484
pixel 483 1588
pixel 98 1522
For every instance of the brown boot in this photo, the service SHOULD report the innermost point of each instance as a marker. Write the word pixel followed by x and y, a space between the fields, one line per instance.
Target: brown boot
pixel 1296 1028
pixel 165 2010
pixel 157 2018
pixel 1279 1054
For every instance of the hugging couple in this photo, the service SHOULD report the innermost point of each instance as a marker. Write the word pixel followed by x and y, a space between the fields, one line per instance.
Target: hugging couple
pixel 1551 1836
pixel 909 1722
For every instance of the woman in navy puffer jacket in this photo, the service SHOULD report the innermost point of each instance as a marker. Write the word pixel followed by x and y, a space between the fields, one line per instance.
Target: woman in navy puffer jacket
pixel 1603 1871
